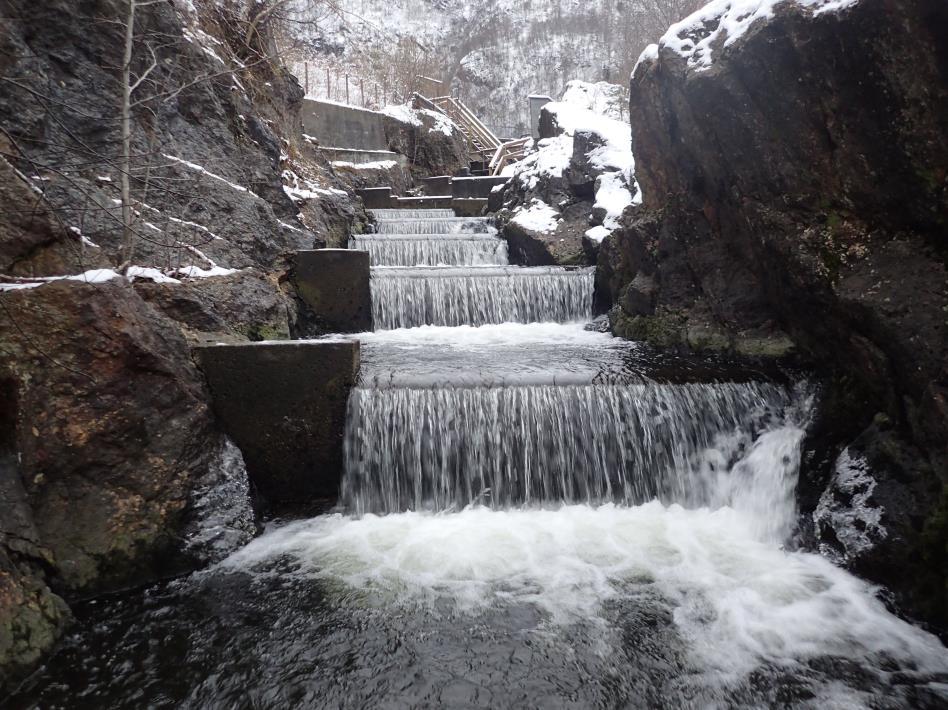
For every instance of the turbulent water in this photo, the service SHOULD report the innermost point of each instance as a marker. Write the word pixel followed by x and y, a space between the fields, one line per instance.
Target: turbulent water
pixel 532 516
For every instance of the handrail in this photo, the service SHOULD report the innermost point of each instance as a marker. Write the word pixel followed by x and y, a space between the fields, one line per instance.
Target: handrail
pixel 509 152
pixel 480 138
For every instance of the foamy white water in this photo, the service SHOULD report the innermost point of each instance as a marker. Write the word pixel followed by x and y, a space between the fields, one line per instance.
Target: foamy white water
pixel 739 602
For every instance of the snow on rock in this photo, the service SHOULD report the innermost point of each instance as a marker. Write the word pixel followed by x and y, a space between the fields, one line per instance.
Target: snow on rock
pixel 204 171
pixel 579 111
pixel 97 276
pixel 196 272
pixel 551 159
pixel 598 233
pixel 719 24
pixel 846 508
pixel 301 189
pixel 601 97
pixel 613 196
pixel 401 112
pixel 537 217
pixel 145 272
pixel 415 117
pixel 373 165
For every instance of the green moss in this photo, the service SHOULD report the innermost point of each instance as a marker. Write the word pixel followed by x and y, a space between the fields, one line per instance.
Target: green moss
pixel 707 338
pixel 776 346
pixel 266 331
pixel 664 329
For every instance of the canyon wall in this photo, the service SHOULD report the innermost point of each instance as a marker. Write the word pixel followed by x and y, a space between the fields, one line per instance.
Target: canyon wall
pixel 793 169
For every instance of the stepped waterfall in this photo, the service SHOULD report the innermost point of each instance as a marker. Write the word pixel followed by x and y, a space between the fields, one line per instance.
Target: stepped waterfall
pixel 533 514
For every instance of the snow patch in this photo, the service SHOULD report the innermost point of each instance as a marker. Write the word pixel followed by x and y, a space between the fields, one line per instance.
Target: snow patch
pixel 538 217
pixel 372 165
pixel 721 23
pixel 196 272
pixel 846 508
pixel 597 234
pixel 204 171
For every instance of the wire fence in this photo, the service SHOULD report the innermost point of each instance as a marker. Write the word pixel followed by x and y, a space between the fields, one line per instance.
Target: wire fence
pixel 342 84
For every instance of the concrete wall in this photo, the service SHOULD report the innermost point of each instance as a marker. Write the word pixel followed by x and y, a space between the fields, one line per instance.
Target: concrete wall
pixel 334 286
pixel 475 187
pixel 537 101
pixel 336 126
pixel 284 405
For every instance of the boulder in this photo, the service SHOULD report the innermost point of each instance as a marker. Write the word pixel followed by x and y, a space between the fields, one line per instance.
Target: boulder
pixel 245 305
pixel 432 144
pixel 795 200
pixel 114 440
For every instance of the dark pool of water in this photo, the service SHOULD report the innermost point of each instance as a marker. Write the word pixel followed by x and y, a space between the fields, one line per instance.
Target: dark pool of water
pixel 231 640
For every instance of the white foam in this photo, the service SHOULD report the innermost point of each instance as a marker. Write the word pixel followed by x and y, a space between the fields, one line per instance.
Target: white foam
pixel 738 601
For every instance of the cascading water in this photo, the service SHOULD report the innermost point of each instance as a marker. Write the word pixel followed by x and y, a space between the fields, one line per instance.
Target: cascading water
pixel 397 214
pixel 445 448
pixel 410 297
pixel 436 250
pixel 532 515
pixel 440 225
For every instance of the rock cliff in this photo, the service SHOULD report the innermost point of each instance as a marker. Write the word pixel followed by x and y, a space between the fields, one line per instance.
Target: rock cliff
pixel 793 167
pixel 113 471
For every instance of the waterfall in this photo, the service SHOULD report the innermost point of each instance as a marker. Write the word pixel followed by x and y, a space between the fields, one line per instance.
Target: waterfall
pixel 444 448
pixel 449 250
pixel 409 297
pixel 410 214
pixel 442 225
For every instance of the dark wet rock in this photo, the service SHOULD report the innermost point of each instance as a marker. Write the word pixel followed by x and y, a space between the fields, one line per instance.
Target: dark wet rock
pixel 59 110
pixel 795 200
pixel 563 246
pixel 430 150
pixel 243 305
pixel 112 430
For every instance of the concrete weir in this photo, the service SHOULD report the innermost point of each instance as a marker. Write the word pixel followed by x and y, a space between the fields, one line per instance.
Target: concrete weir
pixel 334 285
pixel 284 405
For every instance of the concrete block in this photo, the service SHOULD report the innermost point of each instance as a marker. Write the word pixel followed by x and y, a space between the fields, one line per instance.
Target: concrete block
pixel 469 207
pixel 284 405
pixel 334 285
pixel 338 126
pixel 475 187
pixel 438 185
pixel 376 198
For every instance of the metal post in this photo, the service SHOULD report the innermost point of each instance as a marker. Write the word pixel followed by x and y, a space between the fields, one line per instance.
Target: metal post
pixel 306 76
pixel 347 88
pixel 328 91
pixel 362 91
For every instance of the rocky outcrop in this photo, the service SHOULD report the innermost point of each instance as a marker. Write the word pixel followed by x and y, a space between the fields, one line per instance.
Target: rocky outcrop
pixel 795 198
pixel 112 430
pixel 113 471
pixel 572 176
pixel 109 456
pixel 245 305
pixel 432 144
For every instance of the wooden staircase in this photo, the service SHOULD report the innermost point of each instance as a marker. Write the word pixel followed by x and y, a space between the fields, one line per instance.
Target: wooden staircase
pixel 483 146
